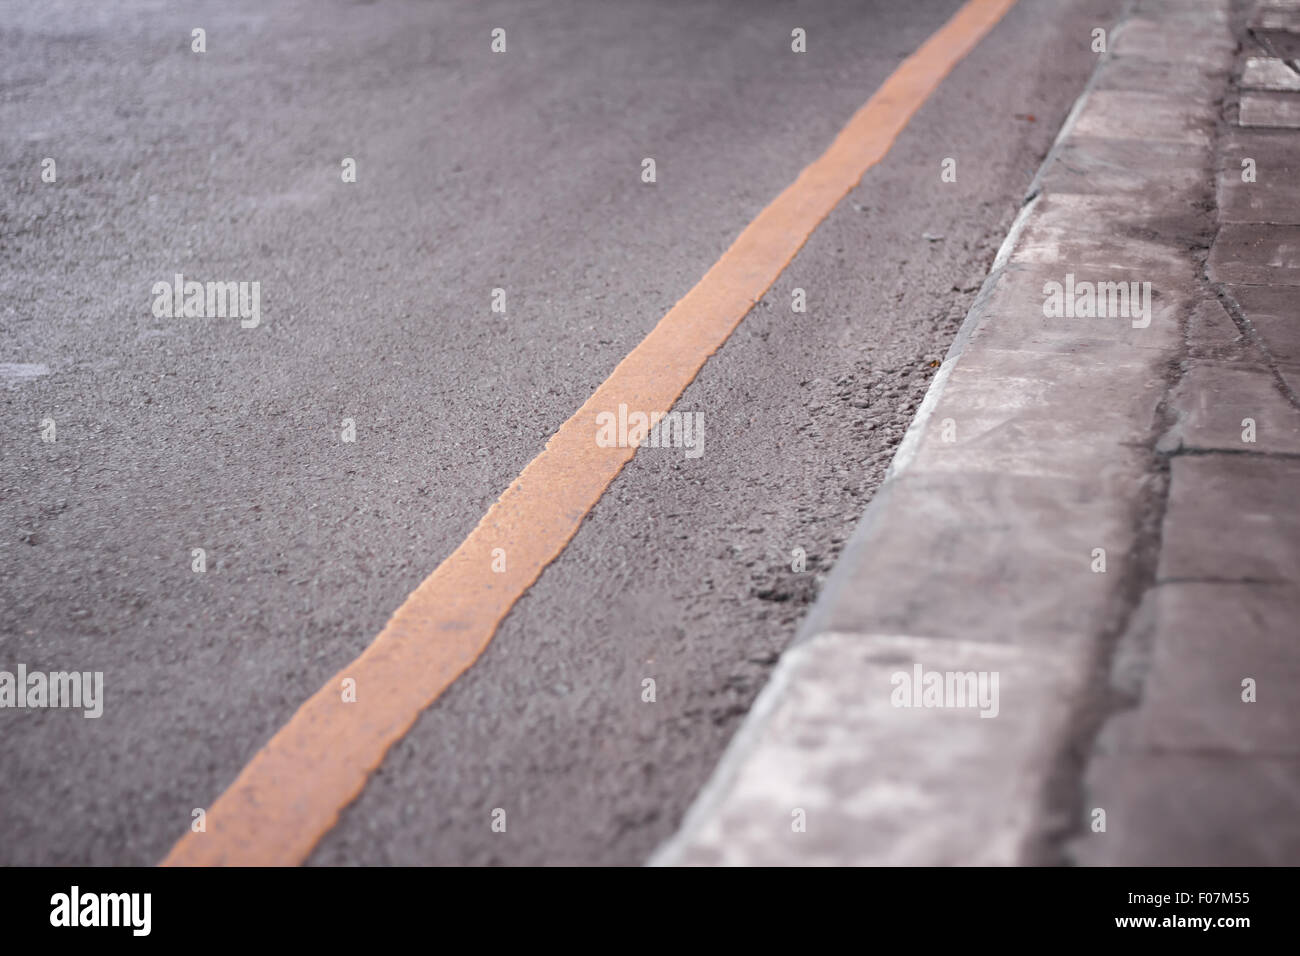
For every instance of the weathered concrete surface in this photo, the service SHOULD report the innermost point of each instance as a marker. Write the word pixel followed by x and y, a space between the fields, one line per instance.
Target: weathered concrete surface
pixel 1257 253
pixel 1270 313
pixel 1185 809
pixel 1272 196
pixel 1220 406
pixel 1277 110
pixel 823 727
pixel 1269 73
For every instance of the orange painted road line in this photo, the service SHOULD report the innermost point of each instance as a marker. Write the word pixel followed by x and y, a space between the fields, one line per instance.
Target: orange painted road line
pixel 292 791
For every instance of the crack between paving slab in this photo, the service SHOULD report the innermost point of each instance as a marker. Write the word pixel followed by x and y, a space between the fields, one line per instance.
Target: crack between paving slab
pixel 1184 452
pixel 1069 782
pixel 1217 753
pixel 1267 582
pixel 1251 335
pixel 1264 44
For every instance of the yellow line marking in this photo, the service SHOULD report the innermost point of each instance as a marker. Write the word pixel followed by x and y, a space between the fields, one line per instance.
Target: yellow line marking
pixel 292 791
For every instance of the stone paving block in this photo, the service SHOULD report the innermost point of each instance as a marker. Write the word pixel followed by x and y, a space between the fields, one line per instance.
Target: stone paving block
pixel 1175 12
pixel 1084 227
pixel 948 787
pixel 1193 810
pixel 1048 242
pixel 1269 73
pixel 1232 518
pixel 1253 254
pixel 1211 334
pixel 1113 166
pixel 1276 110
pixel 1188 80
pixel 1273 197
pixel 1208 638
pixel 1276 27
pixel 1278 43
pixel 1267 302
pixel 1014 318
pixel 1215 405
pixel 1275 18
pixel 1199 38
pixel 1282 338
pixel 1135 261
pixel 1124 114
pixel 991 558
pixel 1274 311
pixel 1040 414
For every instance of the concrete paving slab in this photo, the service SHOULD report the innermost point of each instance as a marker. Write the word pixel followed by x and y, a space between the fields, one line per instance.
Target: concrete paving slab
pixel 1233 409
pixel 1145 116
pixel 1232 518
pixel 1157 234
pixel 991 557
pixel 1260 302
pixel 1040 414
pixel 1114 166
pixel 1211 334
pixel 1279 17
pixel 1201 39
pixel 1270 110
pixel 801 799
pixel 1274 312
pixel 1192 810
pixel 1256 254
pixel 1139 74
pixel 1209 638
pixel 1271 197
pixel 1270 73
pixel 1277 28
pixel 1014 318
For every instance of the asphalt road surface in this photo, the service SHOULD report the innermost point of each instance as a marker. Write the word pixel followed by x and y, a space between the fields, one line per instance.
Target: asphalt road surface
pixel 474 171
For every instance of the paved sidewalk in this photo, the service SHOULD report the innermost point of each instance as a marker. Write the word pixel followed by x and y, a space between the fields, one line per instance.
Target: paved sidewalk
pixel 1196 772
pixel 1086 535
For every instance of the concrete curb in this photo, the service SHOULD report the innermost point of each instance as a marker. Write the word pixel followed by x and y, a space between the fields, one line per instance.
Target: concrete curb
pixel 973 557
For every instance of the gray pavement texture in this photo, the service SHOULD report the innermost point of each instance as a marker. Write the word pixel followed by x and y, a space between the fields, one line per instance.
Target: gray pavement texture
pixel 1099 511
pixel 474 171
